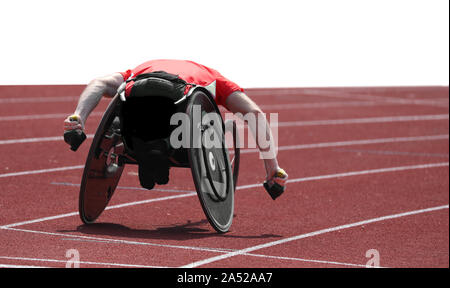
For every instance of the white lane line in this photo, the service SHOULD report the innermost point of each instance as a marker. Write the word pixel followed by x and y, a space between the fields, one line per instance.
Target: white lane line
pixel 151 200
pixel 271 107
pixel 194 248
pixel 270 92
pixel 321 177
pixel 386 99
pixel 336 104
pixel 71 237
pixel 290 106
pixel 20 266
pixel 36 139
pixel 81 262
pixel 311 234
pixel 391 153
pixel 306 260
pixel 41 171
pixel 345 174
pixel 121 241
pixel 281 148
pixel 355 142
pixel 39 220
pixel 39 99
pixel 368 120
pixel 42 116
pixel 262 106
pixel 31 140
pixel 352 173
pixel 356 173
pixel 372 171
pixel 107 208
pixel 127 188
pixel 333 91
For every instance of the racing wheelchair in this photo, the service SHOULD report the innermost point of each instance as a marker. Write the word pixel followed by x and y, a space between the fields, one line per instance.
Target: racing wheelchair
pixel 117 138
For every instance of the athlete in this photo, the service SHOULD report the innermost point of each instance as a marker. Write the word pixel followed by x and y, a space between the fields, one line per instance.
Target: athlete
pixel 228 94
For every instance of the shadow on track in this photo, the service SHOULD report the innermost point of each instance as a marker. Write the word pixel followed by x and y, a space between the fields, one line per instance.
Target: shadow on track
pixel 187 231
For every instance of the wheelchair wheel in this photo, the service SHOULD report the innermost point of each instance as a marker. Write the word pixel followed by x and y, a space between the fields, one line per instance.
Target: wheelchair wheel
pixel 209 161
pixel 102 170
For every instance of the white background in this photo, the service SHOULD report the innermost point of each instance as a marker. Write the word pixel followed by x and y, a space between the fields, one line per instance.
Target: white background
pixel 254 43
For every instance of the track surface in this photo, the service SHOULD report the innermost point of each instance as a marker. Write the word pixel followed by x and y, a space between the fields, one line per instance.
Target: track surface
pixel 368 170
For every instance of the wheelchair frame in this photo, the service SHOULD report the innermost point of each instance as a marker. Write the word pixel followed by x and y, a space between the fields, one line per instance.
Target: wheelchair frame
pixel 109 154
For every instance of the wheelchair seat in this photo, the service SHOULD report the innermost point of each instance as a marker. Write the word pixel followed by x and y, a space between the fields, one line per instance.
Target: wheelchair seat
pixel 145 130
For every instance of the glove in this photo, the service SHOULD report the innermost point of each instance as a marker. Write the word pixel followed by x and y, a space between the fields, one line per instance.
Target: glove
pixel 73 132
pixel 73 122
pixel 276 185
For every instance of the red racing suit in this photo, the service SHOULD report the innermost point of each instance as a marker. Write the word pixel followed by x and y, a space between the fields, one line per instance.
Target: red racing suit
pixel 190 72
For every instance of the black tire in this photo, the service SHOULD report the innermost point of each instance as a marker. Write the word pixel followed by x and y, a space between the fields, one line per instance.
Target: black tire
pixel 218 209
pixel 98 183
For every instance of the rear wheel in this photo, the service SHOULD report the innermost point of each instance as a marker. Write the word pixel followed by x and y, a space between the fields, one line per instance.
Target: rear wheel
pixel 210 164
pixel 102 170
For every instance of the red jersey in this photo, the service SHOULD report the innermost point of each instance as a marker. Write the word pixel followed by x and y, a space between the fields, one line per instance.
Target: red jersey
pixel 190 72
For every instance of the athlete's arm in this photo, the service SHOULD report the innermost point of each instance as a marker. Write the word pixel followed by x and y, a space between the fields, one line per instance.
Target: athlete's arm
pixel 238 102
pixel 103 86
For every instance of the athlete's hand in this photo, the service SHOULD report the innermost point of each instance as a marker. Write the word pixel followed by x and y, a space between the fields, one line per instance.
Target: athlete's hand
pixel 276 184
pixel 73 122
pixel 73 131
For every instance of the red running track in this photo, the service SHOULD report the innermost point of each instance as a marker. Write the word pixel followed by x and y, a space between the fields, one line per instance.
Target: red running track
pixel 368 168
